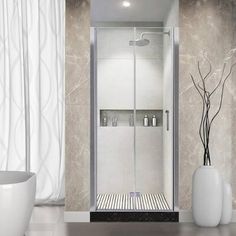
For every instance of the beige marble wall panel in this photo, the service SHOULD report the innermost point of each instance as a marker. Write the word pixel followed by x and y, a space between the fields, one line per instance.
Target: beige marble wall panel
pixel 206 25
pixel 77 105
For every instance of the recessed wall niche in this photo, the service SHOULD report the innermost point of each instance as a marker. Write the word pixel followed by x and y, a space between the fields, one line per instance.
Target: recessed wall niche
pixel 117 118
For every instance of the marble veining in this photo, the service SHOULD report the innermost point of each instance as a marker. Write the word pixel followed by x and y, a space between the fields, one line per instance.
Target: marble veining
pixel 204 25
pixel 207 25
pixel 77 105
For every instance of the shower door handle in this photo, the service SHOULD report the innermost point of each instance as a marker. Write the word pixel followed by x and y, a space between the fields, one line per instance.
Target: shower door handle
pixel 167 119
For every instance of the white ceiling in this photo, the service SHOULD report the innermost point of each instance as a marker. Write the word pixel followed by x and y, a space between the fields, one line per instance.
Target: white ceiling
pixel 140 10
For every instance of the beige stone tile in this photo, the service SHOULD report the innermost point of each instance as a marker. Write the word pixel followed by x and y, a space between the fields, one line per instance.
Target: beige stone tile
pixel 78 157
pixel 77 130
pixel 205 25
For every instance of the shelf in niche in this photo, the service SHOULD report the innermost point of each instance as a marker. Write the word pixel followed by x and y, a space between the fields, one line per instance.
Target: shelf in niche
pixel 124 117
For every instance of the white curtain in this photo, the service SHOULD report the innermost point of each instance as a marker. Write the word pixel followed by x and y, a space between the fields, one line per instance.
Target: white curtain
pixel 32 82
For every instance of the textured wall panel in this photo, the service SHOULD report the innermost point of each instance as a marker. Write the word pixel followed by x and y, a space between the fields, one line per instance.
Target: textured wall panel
pixel 205 25
pixel 77 105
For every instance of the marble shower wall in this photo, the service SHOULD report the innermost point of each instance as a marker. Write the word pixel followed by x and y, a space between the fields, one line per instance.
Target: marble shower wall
pixel 208 25
pixel 77 85
pixel 204 24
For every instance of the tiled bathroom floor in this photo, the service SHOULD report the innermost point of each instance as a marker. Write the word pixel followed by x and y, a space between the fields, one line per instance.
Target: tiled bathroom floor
pixel 48 221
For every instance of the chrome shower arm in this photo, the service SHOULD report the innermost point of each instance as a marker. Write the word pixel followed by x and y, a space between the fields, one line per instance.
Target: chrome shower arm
pixel 153 33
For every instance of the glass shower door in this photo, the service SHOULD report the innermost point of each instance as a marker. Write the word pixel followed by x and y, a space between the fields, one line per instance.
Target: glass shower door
pixel 153 108
pixel 134 116
pixel 115 119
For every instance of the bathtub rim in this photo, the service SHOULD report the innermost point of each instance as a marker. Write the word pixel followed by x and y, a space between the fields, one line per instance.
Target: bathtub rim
pixel 30 176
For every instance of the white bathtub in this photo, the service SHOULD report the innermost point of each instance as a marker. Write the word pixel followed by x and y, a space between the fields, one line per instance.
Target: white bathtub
pixel 17 195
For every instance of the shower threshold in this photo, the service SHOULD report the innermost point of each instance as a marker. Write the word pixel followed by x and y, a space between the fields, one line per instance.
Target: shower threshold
pixel 145 202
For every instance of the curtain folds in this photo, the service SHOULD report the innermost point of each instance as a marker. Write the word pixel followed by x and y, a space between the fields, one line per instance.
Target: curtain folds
pixel 32 90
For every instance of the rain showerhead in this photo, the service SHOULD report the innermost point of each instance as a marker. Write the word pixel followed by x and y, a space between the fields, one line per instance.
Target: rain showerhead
pixel 139 42
pixel 144 42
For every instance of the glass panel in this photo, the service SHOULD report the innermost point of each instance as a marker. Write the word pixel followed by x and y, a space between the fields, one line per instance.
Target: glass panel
pixel 168 134
pixel 153 164
pixel 134 119
pixel 115 124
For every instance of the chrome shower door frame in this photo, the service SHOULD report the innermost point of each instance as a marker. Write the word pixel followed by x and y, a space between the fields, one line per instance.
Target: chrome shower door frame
pixel 93 117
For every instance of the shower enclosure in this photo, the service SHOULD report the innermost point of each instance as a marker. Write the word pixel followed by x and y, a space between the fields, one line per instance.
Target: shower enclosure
pixel 133 162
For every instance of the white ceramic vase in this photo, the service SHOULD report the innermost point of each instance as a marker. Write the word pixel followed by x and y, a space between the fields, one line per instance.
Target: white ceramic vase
pixel 207 196
pixel 227 204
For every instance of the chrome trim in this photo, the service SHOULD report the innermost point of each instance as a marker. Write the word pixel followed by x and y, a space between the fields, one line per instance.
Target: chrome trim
pixel 175 33
pixel 127 24
pixel 93 115
pixel 93 119
pixel 135 113
pixel 167 120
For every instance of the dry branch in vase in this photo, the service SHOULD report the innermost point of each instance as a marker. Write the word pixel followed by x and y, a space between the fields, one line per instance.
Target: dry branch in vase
pixel 206 96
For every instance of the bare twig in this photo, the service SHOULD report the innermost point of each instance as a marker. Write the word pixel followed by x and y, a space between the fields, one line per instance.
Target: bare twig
pixel 206 121
pixel 203 109
pixel 222 93
pixel 222 74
